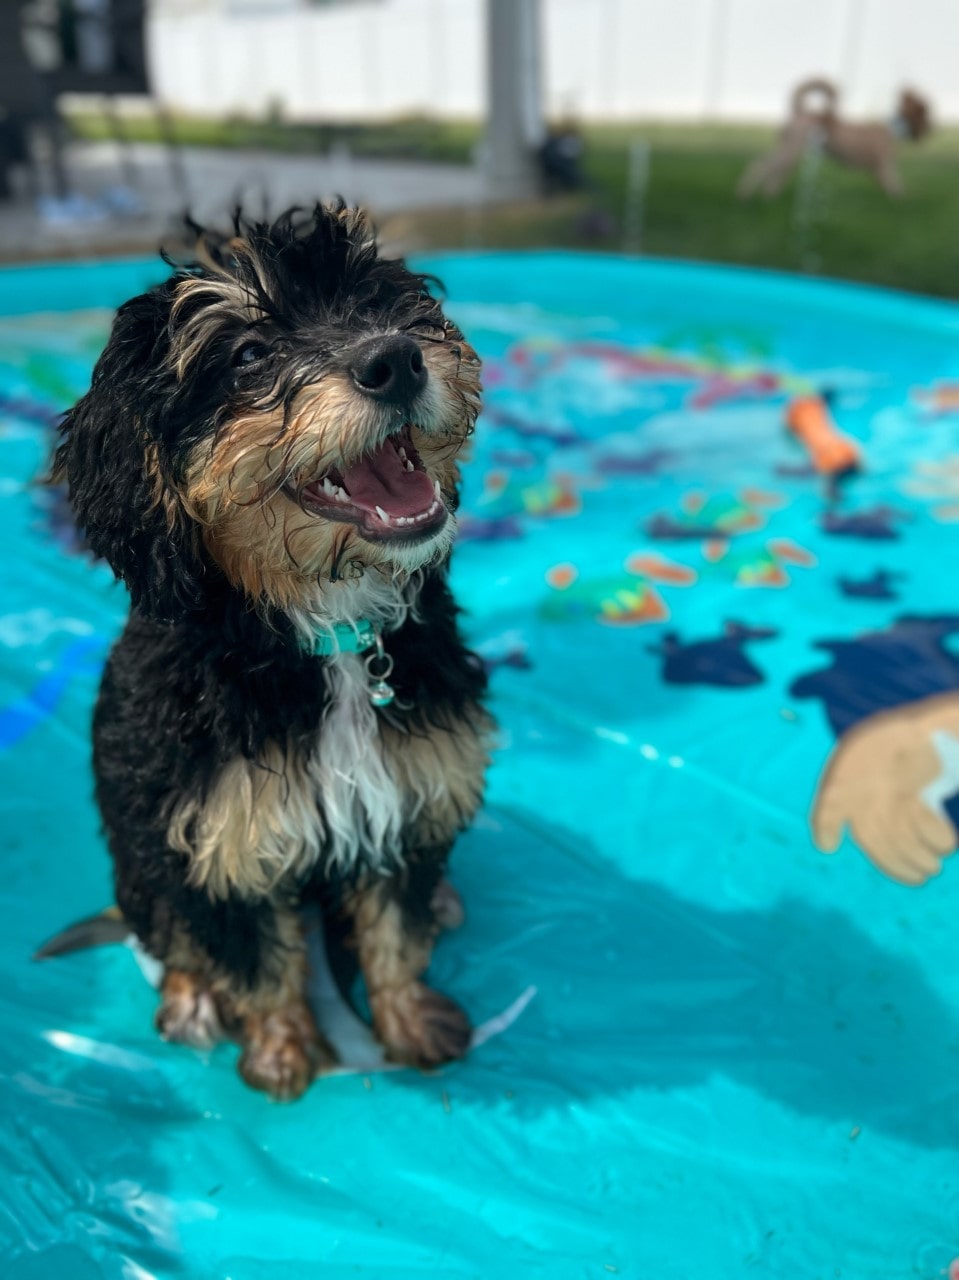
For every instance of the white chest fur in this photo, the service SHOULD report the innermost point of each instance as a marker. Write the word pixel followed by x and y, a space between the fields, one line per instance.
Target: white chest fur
pixel 360 799
pixel 332 800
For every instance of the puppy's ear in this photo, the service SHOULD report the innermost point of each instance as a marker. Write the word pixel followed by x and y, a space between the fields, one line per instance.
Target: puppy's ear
pixel 112 456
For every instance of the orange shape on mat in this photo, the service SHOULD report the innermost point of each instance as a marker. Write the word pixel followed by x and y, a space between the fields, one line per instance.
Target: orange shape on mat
pixel 766 574
pixel 715 549
pixel 831 452
pixel 791 552
pixel 562 576
pixel 751 520
pixel 661 570
pixel 649 606
pixel 692 503
pixel 762 498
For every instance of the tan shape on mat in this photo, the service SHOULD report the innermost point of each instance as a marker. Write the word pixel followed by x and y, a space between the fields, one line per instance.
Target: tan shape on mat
pixel 874 784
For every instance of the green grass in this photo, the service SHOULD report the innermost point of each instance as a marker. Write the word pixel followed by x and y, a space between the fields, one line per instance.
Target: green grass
pixel 847 228
pixel 412 138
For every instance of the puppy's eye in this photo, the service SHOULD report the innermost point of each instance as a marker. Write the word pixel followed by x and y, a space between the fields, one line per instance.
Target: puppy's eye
pixel 250 353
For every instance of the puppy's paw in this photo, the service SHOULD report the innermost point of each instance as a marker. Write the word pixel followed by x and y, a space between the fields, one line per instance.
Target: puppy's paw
pixel 282 1053
pixel 447 906
pixel 188 1012
pixel 418 1026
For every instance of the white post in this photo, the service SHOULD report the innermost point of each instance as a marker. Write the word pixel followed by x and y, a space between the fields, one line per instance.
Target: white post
pixel 637 180
pixel 514 109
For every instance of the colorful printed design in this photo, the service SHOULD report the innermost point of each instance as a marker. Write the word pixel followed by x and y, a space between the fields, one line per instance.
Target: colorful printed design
pixel 715 381
pixel 892 699
pixel 763 565
pixel 620 601
pixel 722 662
pixel 703 516
pixel 503 497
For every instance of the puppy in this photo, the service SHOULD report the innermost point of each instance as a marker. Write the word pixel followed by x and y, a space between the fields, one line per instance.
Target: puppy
pixel 268 458
pixel 869 146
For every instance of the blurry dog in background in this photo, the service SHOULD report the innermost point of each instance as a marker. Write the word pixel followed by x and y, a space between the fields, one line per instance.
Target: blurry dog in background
pixel 814 122
pixel 268 458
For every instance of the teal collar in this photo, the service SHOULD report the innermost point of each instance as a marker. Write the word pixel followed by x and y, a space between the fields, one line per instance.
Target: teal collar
pixel 345 637
pixel 360 637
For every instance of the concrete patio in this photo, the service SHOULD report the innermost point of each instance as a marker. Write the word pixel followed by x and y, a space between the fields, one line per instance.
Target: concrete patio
pixel 126 200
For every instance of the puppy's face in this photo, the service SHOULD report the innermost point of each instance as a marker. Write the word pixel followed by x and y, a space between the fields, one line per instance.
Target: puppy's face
pixel 297 404
pixel 345 397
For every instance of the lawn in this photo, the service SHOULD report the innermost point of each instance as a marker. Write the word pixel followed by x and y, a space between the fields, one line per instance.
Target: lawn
pixel 839 224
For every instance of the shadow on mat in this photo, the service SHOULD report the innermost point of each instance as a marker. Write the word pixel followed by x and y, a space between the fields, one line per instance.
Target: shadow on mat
pixel 639 988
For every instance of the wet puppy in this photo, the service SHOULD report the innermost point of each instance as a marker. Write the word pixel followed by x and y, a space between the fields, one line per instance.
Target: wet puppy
pixel 267 457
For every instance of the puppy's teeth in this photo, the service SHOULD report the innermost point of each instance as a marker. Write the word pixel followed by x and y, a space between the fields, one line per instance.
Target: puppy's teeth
pixel 438 491
pixel 409 465
pixel 383 516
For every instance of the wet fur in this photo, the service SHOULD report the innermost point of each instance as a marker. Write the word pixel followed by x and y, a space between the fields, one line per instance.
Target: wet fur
pixel 237 775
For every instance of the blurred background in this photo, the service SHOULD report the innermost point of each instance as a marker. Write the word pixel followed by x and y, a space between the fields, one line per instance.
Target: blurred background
pixel 600 124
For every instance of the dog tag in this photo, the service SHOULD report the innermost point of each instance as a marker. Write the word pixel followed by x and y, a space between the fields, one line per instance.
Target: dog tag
pixel 381 693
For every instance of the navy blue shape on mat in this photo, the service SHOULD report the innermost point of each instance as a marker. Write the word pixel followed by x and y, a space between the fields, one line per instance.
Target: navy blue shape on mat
pixel 878 586
pixel 722 661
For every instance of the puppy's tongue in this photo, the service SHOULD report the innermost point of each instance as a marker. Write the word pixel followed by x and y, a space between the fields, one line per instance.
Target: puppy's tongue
pixel 382 480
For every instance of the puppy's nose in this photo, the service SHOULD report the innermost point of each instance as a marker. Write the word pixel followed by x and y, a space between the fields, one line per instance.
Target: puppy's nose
pixel 389 368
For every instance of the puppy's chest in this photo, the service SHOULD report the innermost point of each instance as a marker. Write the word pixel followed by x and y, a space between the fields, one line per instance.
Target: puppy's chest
pixel 361 801
pixel 355 794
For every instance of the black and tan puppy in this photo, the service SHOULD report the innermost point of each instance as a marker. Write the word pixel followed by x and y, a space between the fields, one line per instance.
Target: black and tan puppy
pixel 267 457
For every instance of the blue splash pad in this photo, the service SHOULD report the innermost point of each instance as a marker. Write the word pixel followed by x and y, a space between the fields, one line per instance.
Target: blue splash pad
pixel 741 1057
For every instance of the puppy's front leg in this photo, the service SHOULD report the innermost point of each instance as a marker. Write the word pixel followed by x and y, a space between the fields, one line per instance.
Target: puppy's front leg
pixel 395 926
pixel 245 979
pixel 283 1049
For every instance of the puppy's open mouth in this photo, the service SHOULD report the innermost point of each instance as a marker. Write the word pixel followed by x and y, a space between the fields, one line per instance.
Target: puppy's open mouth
pixel 387 493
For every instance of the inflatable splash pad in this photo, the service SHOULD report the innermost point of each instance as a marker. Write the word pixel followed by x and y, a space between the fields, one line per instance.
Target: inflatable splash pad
pixel 704 1048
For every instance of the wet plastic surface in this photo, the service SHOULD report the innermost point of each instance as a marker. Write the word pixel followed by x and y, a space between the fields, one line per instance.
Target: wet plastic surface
pixel 742 1057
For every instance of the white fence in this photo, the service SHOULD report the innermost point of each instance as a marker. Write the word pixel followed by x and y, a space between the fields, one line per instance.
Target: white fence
pixel 602 59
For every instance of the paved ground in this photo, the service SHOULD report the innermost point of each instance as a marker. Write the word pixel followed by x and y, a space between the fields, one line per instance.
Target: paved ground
pixel 127 201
